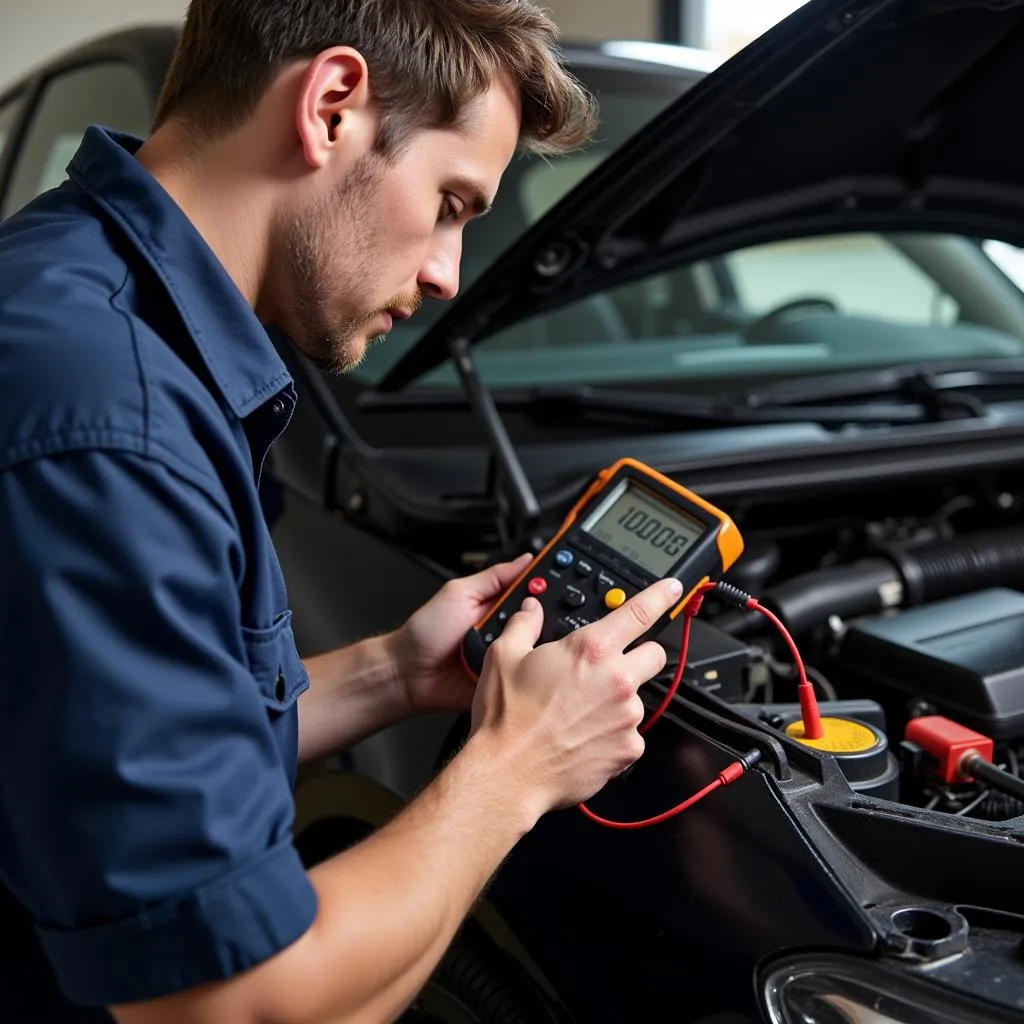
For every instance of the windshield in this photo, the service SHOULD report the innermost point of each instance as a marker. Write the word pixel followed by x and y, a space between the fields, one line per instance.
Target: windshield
pixel 804 305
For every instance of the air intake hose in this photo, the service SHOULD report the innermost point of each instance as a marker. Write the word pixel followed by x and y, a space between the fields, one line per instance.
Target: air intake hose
pixel 898 576
pixel 991 558
pixel 807 601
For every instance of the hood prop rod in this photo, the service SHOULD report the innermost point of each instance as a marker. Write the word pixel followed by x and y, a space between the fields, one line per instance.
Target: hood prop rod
pixel 507 480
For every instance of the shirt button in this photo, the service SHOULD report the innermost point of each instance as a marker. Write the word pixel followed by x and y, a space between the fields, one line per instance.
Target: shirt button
pixel 278 407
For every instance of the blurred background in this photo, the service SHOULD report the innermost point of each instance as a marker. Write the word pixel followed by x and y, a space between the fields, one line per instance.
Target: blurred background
pixel 861 274
pixel 31 30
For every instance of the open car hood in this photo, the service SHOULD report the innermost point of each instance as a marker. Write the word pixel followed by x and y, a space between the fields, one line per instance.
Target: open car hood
pixel 850 115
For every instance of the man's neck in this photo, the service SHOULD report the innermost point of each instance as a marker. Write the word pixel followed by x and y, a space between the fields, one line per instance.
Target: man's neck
pixel 219 197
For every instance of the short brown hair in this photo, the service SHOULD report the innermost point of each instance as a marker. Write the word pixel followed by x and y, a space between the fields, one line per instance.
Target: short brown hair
pixel 427 60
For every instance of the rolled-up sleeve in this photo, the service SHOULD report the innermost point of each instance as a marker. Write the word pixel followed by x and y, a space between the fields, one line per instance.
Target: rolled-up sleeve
pixel 145 812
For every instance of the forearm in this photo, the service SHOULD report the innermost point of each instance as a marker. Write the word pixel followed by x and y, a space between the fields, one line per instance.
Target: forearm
pixel 388 908
pixel 353 693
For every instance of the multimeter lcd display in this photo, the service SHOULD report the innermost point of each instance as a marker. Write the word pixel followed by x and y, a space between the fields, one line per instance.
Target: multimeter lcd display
pixel 645 530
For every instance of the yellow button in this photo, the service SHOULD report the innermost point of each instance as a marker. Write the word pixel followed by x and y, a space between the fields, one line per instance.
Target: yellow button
pixel 615 598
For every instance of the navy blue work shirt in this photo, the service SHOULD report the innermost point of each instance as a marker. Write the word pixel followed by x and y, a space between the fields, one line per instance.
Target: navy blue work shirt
pixel 148 671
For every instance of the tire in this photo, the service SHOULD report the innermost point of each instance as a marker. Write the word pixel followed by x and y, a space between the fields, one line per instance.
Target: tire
pixel 478 983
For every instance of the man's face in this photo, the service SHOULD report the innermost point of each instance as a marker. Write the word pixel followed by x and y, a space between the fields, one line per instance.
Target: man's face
pixel 368 249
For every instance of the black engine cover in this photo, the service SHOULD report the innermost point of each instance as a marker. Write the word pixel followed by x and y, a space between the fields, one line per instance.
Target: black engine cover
pixel 965 655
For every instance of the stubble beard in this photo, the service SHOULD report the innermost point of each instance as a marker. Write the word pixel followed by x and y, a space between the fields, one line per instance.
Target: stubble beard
pixel 309 244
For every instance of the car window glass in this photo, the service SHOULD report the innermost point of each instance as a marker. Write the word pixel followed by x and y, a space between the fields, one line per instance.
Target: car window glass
pixel 110 94
pixel 543 184
pixel 8 115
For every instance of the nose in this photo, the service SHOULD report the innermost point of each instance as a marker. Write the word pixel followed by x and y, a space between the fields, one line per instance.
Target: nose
pixel 439 275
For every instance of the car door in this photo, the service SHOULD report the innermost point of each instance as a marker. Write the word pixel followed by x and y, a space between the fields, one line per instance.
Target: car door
pixel 109 92
pixel 12 106
pixel 9 111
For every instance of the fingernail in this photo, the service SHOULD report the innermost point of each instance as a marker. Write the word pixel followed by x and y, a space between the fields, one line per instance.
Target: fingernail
pixel 675 588
pixel 529 604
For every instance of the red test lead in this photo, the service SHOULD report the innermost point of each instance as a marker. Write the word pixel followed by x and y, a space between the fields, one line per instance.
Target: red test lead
pixel 812 727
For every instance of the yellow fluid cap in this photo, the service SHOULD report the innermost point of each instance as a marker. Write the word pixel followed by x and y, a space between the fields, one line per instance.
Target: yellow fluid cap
pixel 842 736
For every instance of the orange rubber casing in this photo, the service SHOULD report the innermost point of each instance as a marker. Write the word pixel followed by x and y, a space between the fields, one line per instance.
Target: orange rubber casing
pixel 728 540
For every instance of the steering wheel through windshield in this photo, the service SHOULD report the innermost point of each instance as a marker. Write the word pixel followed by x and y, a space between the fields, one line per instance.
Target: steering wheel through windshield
pixel 763 328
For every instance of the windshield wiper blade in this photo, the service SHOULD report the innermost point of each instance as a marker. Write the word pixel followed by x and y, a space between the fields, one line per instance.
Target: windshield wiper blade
pixel 906 394
pixel 553 403
pixel 916 381
pixel 682 409
pixel 914 393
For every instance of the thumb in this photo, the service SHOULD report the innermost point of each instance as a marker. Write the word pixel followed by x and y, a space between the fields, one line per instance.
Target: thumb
pixel 498 578
pixel 523 630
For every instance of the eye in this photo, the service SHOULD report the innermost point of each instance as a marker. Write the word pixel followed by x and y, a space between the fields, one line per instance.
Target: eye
pixel 449 210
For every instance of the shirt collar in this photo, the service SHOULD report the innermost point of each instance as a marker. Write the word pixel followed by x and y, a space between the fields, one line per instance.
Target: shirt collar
pixel 230 339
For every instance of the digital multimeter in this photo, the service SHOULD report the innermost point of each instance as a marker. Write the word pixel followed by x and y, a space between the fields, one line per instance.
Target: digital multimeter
pixel 631 528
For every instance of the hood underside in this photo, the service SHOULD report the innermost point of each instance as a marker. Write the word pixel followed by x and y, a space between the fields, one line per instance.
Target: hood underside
pixel 882 115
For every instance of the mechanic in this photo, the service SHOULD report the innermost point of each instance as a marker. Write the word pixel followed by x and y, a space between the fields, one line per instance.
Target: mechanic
pixel 312 165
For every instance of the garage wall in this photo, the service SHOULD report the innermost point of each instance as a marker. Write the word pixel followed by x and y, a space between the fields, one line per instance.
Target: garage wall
pixel 586 20
pixel 34 29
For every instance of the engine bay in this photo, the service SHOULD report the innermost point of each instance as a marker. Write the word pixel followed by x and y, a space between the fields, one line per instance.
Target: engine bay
pixel 916 614
pixel 893 556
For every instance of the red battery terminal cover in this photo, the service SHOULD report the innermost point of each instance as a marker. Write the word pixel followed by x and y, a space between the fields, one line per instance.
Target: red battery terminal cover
pixel 948 742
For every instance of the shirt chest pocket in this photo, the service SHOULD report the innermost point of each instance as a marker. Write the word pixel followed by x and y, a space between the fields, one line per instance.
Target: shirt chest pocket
pixel 275 663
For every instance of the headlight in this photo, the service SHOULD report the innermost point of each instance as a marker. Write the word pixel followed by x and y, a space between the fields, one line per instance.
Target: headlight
pixel 836 990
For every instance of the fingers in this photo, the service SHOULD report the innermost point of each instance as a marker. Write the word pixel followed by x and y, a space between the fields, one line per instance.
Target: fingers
pixel 646 661
pixel 522 631
pixel 498 578
pixel 632 619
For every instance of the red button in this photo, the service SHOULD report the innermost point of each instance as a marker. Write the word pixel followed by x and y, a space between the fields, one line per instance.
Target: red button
pixel 537 586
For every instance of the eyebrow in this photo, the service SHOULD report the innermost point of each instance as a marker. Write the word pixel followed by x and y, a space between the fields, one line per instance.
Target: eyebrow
pixel 478 201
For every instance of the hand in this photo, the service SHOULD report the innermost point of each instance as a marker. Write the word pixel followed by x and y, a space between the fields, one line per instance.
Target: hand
pixel 567 712
pixel 425 651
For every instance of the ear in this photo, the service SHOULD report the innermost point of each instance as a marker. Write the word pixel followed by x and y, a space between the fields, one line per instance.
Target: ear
pixel 333 104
